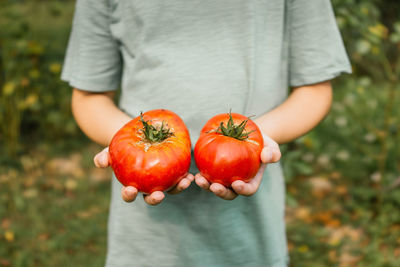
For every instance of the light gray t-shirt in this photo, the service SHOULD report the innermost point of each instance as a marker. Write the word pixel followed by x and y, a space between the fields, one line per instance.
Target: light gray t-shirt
pixel 200 58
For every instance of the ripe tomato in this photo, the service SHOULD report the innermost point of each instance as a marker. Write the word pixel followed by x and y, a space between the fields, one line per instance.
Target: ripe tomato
pixel 224 154
pixel 152 151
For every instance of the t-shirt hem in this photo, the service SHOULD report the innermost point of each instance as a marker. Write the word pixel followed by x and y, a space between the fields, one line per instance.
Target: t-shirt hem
pixel 89 85
pixel 320 76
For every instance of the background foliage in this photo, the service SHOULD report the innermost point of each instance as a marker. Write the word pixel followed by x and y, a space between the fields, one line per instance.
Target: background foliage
pixel 343 178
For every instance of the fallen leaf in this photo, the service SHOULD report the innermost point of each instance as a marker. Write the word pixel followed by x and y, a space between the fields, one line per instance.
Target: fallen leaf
pixel 8 88
pixel 397 252
pixel 395 227
pixel 30 193
pixel 54 184
pixel 12 174
pixel 84 214
pixel 71 184
pixel 25 82
pixel 320 186
pixel 355 234
pixel 5 223
pixel 4 178
pixel 336 175
pixel 100 175
pixel 341 190
pixel 55 67
pixel 347 259
pixel 66 166
pixel 76 157
pixel 323 216
pixel 5 262
pixel 337 235
pixel 303 249
pixel 28 163
pixel 303 213
pixel 333 255
pixel 293 190
pixel 89 212
pixel 29 181
pixel 333 223
pixel 9 236
pixel 43 237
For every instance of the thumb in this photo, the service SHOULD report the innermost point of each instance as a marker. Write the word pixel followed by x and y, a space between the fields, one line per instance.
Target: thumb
pixel 102 159
pixel 270 155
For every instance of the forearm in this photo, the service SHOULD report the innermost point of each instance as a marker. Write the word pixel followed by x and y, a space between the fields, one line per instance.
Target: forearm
pixel 302 111
pixel 97 115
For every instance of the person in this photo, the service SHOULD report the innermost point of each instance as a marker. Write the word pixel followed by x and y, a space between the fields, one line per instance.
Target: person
pixel 272 59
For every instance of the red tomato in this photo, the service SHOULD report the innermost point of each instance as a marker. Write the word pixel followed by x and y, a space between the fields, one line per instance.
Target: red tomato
pixel 151 152
pixel 229 149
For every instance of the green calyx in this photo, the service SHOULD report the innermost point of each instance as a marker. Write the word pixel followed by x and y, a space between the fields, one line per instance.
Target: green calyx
pixel 155 134
pixel 235 131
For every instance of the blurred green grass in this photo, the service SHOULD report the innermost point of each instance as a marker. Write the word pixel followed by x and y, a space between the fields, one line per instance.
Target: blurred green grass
pixel 54 210
pixel 343 178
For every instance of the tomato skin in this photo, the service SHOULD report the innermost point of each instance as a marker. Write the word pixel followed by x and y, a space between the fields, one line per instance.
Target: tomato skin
pixel 151 167
pixel 222 159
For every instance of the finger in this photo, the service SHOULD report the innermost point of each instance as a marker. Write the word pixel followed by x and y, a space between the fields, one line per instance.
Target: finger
pixel 202 182
pixel 101 160
pixel 276 155
pixel 129 193
pixel 270 154
pixel 182 185
pixel 244 189
pixel 250 188
pixel 190 177
pixel 154 198
pixel 222 191
pixel 266 155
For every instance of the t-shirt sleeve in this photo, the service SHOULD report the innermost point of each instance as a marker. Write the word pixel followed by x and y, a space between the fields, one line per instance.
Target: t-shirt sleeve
pixel 92 61
pixel 316 50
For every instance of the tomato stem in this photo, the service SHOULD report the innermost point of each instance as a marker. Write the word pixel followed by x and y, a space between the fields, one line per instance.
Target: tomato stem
pixel 155 134
pixel 233 130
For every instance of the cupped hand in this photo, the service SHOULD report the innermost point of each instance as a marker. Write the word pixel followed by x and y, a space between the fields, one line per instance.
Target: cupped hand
pixel 129 193
pixel 269 154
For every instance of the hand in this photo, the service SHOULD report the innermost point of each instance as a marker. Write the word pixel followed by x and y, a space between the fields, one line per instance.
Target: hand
pixel 129 193
pixel 269 154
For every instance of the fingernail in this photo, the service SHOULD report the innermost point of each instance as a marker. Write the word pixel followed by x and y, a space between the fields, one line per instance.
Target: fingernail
pixel 103 159
pixel 239 188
